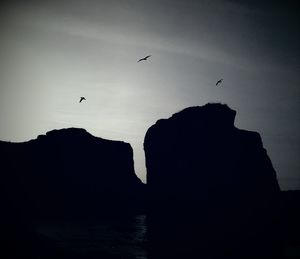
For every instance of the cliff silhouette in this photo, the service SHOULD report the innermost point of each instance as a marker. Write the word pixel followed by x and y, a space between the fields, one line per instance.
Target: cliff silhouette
pixel 65 174
pixel 70 171
pixel 210 185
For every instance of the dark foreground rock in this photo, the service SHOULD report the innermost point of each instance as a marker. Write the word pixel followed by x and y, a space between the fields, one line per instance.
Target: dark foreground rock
pixel 212 188
pixel 65 174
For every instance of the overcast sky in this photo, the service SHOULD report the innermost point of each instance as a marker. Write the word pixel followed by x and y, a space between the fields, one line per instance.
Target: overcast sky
pixel 53 52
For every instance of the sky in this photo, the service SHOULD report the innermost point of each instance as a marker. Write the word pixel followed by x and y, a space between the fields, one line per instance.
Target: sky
pixel 53 52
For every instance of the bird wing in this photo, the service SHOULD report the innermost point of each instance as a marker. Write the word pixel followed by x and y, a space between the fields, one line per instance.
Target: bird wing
pixel 141 59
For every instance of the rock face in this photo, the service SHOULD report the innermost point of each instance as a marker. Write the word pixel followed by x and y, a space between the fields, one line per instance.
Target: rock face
pixel 65 174
pixel 70 171
pixel 210 181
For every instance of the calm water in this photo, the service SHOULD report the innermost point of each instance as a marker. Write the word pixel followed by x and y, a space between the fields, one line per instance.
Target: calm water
pixel 112 238
pixel 109 238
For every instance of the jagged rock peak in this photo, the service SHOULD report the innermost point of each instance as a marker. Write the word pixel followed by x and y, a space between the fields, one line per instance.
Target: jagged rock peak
pixel 73 133
pixel 67 132
pixel 211 114
pixel 72 130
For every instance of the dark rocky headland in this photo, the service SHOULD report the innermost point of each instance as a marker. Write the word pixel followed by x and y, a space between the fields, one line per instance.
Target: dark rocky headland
pixel 211 190
pixel 212 186
pixel 67 174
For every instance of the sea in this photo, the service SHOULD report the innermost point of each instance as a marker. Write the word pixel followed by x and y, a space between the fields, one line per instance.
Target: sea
pixel 107 237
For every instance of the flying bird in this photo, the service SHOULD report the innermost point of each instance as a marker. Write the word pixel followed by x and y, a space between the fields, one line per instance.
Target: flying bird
pixel 81 99
pixel 144 59
pixel 219 81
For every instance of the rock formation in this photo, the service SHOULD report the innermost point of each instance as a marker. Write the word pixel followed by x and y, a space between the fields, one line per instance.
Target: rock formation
pixel 211 185
pixel 70 171
pixel 65 174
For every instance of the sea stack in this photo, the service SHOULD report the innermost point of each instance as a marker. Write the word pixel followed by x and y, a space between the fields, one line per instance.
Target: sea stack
pixel 211 186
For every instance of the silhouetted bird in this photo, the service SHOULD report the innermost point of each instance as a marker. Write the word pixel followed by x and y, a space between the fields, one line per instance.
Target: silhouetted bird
pixel 81 99
pixel 219 81
pixel 145 58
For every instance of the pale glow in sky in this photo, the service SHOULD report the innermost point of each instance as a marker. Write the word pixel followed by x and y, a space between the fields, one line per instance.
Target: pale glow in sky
pixel 54 52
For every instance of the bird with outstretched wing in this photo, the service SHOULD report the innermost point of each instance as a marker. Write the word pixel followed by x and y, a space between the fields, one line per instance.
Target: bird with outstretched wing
pixel 81 99
pixel 144 59
pixel 219 82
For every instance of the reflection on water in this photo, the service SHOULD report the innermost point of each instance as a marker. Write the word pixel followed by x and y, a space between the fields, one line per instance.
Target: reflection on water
pixel 110 237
